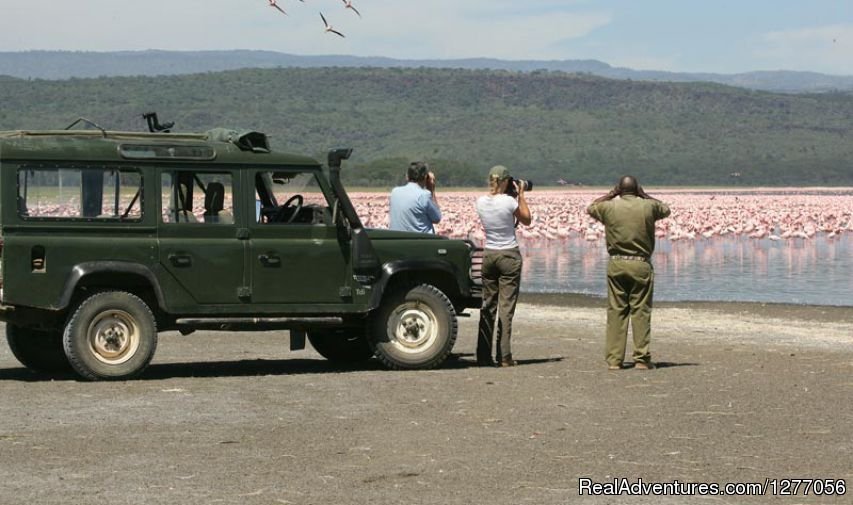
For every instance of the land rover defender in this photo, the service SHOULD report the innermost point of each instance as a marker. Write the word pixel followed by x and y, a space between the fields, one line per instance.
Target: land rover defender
pixel 111 237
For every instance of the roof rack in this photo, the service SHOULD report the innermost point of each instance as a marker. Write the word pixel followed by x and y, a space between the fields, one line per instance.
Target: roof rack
pixel 88 122
pixel 118 135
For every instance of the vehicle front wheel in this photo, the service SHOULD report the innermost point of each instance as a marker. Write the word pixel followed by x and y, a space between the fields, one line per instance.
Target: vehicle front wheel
pixel 37 350
pixel 112 335
pixel 414 328
pixel 342 346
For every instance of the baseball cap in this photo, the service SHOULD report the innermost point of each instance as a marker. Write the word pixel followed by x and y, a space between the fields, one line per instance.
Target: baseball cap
pixel 499 172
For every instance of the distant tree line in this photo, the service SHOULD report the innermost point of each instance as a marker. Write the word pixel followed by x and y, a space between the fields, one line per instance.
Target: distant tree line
pixel 547 126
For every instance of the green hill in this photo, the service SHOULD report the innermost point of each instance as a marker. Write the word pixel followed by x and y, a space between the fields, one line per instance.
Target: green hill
pixel 545 125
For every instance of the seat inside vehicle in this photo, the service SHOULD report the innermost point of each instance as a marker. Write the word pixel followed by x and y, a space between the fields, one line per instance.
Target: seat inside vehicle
pixel 214 203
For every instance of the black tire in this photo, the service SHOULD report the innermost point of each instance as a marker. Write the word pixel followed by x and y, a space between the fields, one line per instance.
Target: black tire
pixel 112 335
pixel 38 350
pixel 344 346
pixel 414 328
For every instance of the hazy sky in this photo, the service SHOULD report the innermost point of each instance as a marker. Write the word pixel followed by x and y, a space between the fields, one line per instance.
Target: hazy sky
pixel 680 35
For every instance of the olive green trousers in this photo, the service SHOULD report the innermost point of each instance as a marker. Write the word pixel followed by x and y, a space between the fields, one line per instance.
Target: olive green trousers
pixel 630 286
pixel 501 284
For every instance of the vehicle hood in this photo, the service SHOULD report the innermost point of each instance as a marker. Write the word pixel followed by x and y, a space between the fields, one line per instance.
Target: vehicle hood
pixel 383 234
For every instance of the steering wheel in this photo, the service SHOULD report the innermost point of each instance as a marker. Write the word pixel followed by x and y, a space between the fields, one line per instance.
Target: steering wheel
pixel 286 206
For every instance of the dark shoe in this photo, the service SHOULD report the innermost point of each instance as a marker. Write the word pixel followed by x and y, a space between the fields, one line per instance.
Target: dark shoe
pixel 644 365
pixel 486 362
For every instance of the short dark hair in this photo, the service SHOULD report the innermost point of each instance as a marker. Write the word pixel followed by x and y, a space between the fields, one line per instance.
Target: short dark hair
pixel 417 171
pixel 628 184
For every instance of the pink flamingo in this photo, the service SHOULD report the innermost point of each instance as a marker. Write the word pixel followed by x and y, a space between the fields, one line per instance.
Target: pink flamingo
pixel 329 27
pixel 348 5
pixel 275 5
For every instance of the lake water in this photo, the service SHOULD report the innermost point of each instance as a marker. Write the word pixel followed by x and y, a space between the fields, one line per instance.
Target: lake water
pixel 812 272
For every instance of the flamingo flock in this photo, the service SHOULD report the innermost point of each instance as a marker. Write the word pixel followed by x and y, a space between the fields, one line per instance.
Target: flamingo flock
pixel 770 214
pixel 327 28
pixel 773 215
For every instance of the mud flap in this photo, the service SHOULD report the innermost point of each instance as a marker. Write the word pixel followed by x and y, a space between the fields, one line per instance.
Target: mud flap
pixel 297 340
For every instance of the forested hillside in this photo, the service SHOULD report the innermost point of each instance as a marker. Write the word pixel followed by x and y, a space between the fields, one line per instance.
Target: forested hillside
pixel 545 125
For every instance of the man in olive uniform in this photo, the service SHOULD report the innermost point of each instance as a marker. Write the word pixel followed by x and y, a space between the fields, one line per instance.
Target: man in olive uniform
pixel 629 222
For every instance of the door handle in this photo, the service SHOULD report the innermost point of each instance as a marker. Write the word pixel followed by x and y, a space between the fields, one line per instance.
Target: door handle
pixel 181 260
pixel 270 260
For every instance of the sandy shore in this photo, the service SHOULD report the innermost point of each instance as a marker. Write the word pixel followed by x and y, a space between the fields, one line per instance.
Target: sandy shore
pixel 746 392
pixel 805 325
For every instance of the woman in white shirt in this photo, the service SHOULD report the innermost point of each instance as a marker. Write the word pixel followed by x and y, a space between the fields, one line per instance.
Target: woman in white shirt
pixel 501 265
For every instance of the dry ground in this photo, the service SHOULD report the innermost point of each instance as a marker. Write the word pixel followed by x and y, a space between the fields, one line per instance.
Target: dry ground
pixel 746 392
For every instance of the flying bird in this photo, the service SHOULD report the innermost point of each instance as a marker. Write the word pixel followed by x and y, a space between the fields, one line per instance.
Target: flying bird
pixel 329 27
pixel 348 5
pixel 275 5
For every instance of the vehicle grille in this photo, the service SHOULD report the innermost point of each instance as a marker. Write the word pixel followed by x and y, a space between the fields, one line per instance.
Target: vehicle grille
pixel 476 272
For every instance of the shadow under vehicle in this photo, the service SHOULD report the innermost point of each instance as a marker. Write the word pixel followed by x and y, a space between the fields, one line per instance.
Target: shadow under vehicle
pixel 111 237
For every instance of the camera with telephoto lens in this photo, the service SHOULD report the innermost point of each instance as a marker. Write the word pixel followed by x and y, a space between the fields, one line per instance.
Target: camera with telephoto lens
pixel 510 188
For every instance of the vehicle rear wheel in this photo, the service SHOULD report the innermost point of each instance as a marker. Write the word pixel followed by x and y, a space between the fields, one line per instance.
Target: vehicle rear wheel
pixel 341 345
pixel 112 335
pixel 37 350
pixel 415 328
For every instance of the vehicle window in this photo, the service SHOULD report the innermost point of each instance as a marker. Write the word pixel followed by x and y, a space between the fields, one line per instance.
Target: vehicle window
pixel 197 197
pixel 289 197
pixel 80 193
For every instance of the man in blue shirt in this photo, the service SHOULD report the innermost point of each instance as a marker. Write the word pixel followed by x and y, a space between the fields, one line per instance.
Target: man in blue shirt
pixel 414 206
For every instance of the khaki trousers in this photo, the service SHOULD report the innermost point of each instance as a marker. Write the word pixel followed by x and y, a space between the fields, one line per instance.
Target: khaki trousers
pixel 501 283
pixel 630 286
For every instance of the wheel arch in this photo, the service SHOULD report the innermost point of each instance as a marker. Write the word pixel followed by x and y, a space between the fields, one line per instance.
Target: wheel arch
pixel 124 276
pixel 441 274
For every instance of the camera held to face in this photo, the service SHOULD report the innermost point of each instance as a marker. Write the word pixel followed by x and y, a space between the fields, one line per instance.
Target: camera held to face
pixel 510 188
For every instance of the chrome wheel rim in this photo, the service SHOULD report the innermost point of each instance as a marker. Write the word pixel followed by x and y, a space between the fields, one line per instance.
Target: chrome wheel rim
pixel 413 327
pixel 113 337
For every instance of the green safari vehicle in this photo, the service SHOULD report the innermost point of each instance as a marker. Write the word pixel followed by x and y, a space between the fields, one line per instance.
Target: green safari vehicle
pixel 111 237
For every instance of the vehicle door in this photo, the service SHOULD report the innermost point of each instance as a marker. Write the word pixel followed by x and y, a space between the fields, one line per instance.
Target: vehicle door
pixel 297 253
pixel 200 245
